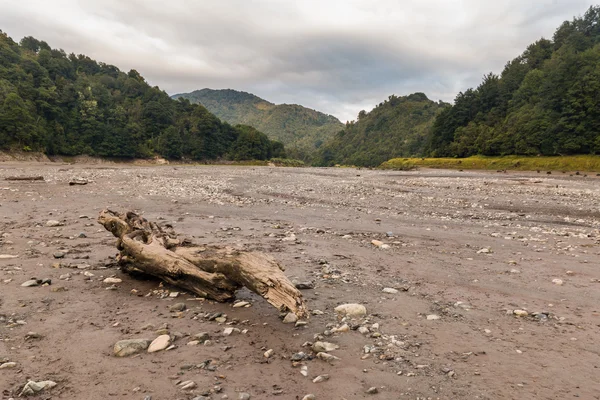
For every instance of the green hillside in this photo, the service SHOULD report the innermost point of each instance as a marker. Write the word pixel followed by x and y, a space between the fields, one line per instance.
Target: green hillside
pixel 70 104
pixel 300 129
pixel 398 127
pixel 545 102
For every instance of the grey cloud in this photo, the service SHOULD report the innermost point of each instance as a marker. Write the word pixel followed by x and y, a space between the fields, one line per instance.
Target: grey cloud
pixel 338 56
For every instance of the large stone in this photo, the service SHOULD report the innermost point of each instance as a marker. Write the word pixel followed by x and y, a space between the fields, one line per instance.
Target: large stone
pixel 53 223
pixel 351 310
pixel 230 331
pixel 31 282
pixel 178 307
pixel 290 318
pixel 129 347
pixel 31 388
pixel 160 343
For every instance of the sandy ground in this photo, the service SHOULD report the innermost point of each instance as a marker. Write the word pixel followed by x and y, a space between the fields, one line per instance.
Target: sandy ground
pixel 466 249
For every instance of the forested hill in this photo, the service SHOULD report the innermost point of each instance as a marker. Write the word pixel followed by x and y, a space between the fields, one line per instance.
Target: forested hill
pixel 398 127
pixel 70 104
pixel 300 129
pixel 546 101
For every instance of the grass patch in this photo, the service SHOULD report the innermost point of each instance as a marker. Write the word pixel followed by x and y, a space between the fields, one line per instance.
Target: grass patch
pixel 586 163
pixel 287 162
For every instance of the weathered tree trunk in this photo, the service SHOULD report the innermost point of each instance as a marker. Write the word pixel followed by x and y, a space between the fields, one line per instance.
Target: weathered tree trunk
pixel 215 272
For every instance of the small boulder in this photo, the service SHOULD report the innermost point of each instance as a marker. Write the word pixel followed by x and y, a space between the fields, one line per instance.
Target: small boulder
pixel 31 388
pixel 351 310
pixel 178 307
pixel 31 283
pixel 290 318
pixel 129 347
pixel 324 347
pixel 160 343
pixel 53 223
pixel 520 313
pixel 201 337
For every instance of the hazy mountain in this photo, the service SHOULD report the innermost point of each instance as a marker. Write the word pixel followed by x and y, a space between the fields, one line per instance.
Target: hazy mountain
pixel 300 129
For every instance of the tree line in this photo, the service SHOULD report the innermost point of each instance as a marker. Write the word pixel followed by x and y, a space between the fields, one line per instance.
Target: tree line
pixel 545 102
pixel 67 104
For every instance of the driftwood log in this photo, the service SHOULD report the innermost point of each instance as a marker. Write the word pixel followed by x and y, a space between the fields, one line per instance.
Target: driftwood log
pixel 214 272
pixel 25 178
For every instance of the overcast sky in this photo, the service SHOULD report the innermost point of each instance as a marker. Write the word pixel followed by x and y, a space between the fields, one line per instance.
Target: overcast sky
pixel 336 56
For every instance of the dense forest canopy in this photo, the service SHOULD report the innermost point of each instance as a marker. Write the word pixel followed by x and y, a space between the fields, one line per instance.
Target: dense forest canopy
pixel 545 102
pixel 398 127
pixel 69 104
pixel 300 129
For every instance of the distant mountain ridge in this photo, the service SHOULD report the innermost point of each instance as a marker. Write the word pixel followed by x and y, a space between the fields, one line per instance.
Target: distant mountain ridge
pixel 302 130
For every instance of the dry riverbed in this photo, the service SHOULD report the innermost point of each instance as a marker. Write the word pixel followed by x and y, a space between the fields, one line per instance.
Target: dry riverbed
pixel 476 285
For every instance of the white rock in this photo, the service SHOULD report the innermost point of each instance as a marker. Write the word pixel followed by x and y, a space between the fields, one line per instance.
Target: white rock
pixel 351 310
pixel 160 343
pixel 241 304
pixel 377 243
pixel 112 280
pixel 364 330
pixel 7 256
pixel 229 331
pixel 290 318
pixel 390 290
pixel 268 353
pixel 187 385
pixel 53 223
pixel 558 281
pixel 327 357
pixel 520 313
pixel 343 328
pixel 324 347
pixel 31 388
pixel 8 365
pixel 485 250
pixel 433 317
pixel 321 378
